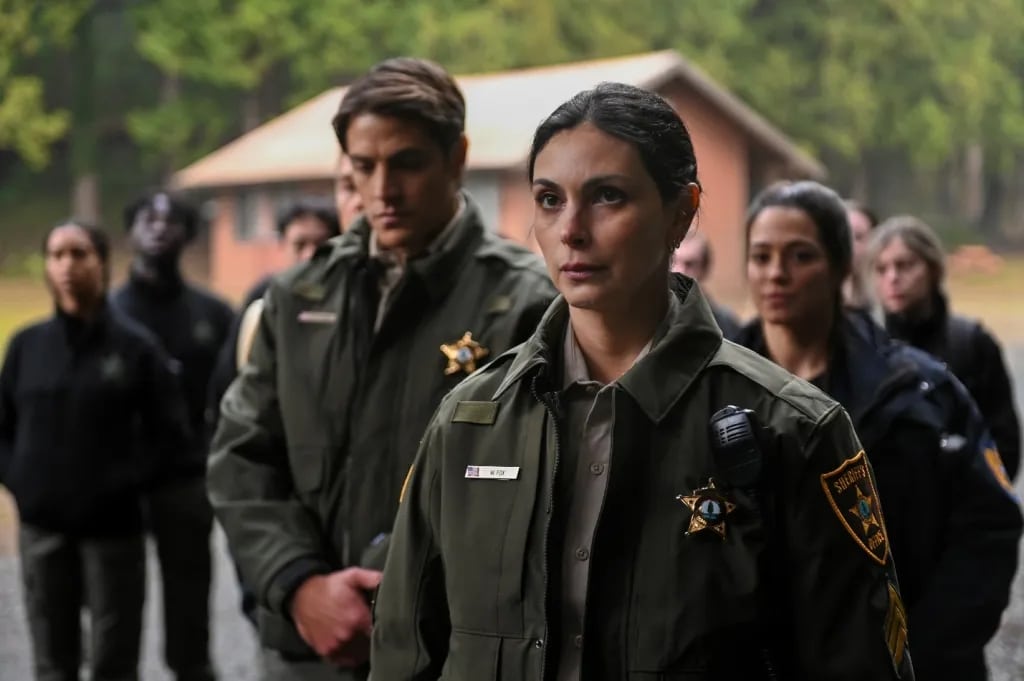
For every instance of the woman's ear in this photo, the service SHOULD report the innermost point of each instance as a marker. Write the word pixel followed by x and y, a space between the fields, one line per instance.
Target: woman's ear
pixel 686 211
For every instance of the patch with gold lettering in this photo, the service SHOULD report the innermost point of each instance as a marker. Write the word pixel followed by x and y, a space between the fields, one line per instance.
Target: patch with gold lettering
pixel 896 628
pixel 851 493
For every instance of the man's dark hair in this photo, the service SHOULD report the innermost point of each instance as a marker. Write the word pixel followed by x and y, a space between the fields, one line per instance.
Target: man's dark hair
pixel 181 211
pixel 641 118
pixel 321 209
pixel 414 89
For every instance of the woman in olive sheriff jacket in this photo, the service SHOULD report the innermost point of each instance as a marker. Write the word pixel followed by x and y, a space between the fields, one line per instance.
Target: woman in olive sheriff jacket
pixel 569 515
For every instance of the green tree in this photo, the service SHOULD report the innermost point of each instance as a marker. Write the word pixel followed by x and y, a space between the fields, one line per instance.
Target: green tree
pixel 27 125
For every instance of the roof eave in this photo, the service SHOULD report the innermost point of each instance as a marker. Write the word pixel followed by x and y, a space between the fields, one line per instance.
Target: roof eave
pixel 758 128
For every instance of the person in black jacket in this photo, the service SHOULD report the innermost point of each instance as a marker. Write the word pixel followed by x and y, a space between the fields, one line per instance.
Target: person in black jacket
pixel 954 520
pixel 909 269
pixel 90 414
pixel 693 258
pixel 192 324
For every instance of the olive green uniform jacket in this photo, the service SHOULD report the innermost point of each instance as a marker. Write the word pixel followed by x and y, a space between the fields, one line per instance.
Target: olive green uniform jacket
pixel 319 429
pixel 466 593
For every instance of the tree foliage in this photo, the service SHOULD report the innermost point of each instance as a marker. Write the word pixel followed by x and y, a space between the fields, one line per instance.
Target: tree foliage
pixel 27 124
pixel 914 79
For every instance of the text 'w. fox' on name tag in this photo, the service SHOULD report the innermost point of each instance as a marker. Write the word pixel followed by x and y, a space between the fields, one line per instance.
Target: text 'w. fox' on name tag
pixel 492 472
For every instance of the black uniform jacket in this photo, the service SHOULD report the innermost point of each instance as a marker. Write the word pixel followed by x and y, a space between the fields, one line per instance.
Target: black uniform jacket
pixel 954 521
pixel 90 415
pixel 974 356
pixel 191 324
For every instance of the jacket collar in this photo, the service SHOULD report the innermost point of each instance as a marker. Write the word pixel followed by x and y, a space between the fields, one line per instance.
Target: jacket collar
pixel 919 330
pixel 864 362
pixel 657 380
pixel 437 269
pixel 80 332
pixel 168 285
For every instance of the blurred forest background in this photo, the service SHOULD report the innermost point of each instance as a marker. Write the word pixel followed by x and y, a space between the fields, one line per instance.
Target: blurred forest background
pixel 913 105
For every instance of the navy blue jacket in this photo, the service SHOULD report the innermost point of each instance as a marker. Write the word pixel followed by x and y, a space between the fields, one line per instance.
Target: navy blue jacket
pixel 954 522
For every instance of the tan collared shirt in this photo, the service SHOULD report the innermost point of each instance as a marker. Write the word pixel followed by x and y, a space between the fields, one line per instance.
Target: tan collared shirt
pixel 589 422
pixel 394 267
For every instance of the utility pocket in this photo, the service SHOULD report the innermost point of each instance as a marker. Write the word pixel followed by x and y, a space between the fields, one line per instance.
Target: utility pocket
pixel 472 656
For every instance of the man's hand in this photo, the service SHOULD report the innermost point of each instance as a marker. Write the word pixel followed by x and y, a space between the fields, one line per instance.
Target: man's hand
pixel 332 616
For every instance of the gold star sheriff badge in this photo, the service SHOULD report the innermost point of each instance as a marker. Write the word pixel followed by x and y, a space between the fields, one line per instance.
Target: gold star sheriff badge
pixel 463 354
pixel 709 509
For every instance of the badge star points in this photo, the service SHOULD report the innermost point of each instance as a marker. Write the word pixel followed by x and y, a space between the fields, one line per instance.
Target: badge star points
pixel 463 354
pixel 708 508
pixel 864 511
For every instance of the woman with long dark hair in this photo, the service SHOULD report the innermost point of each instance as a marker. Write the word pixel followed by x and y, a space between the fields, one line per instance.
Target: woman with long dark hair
pixel 626 495
pixel 89 408
pixel 953 519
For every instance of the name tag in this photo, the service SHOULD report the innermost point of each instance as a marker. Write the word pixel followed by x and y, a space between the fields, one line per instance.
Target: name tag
pixel 492 472
pixel 317 317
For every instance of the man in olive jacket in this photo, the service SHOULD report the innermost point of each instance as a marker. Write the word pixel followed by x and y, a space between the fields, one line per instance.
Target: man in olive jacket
pixel 352 354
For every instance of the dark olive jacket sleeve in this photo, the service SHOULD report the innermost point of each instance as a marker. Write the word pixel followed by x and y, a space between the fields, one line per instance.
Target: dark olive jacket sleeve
pixel 250 481
pixel 845 601
pixel 410 613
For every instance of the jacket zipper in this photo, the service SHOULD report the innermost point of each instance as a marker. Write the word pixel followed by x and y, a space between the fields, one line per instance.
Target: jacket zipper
pixel 553 414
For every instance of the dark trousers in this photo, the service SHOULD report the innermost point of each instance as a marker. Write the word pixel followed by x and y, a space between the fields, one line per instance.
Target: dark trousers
pixel 62 575
pixel 181 520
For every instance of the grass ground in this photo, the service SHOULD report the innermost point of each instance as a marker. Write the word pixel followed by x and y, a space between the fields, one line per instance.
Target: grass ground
pixel 996 299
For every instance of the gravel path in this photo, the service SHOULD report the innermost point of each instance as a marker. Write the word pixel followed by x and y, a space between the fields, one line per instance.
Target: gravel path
pixel 235 648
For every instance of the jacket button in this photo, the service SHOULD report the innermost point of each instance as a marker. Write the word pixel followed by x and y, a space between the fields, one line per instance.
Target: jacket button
pixel 539 643
pixel 597 468
pixel 582 553
pixel 578 641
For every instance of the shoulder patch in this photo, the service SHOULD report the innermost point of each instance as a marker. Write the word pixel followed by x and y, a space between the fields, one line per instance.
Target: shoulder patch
pixel 995 464
pixel 850 490
pixel 480 413
pixel 247 332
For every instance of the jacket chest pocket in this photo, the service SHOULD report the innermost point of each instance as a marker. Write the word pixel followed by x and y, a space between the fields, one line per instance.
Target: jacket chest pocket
pixel 488 508
pixel 693 588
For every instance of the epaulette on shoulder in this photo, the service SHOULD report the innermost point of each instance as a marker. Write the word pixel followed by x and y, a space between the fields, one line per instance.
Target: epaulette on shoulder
pixel 797 393
pixel 513 254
